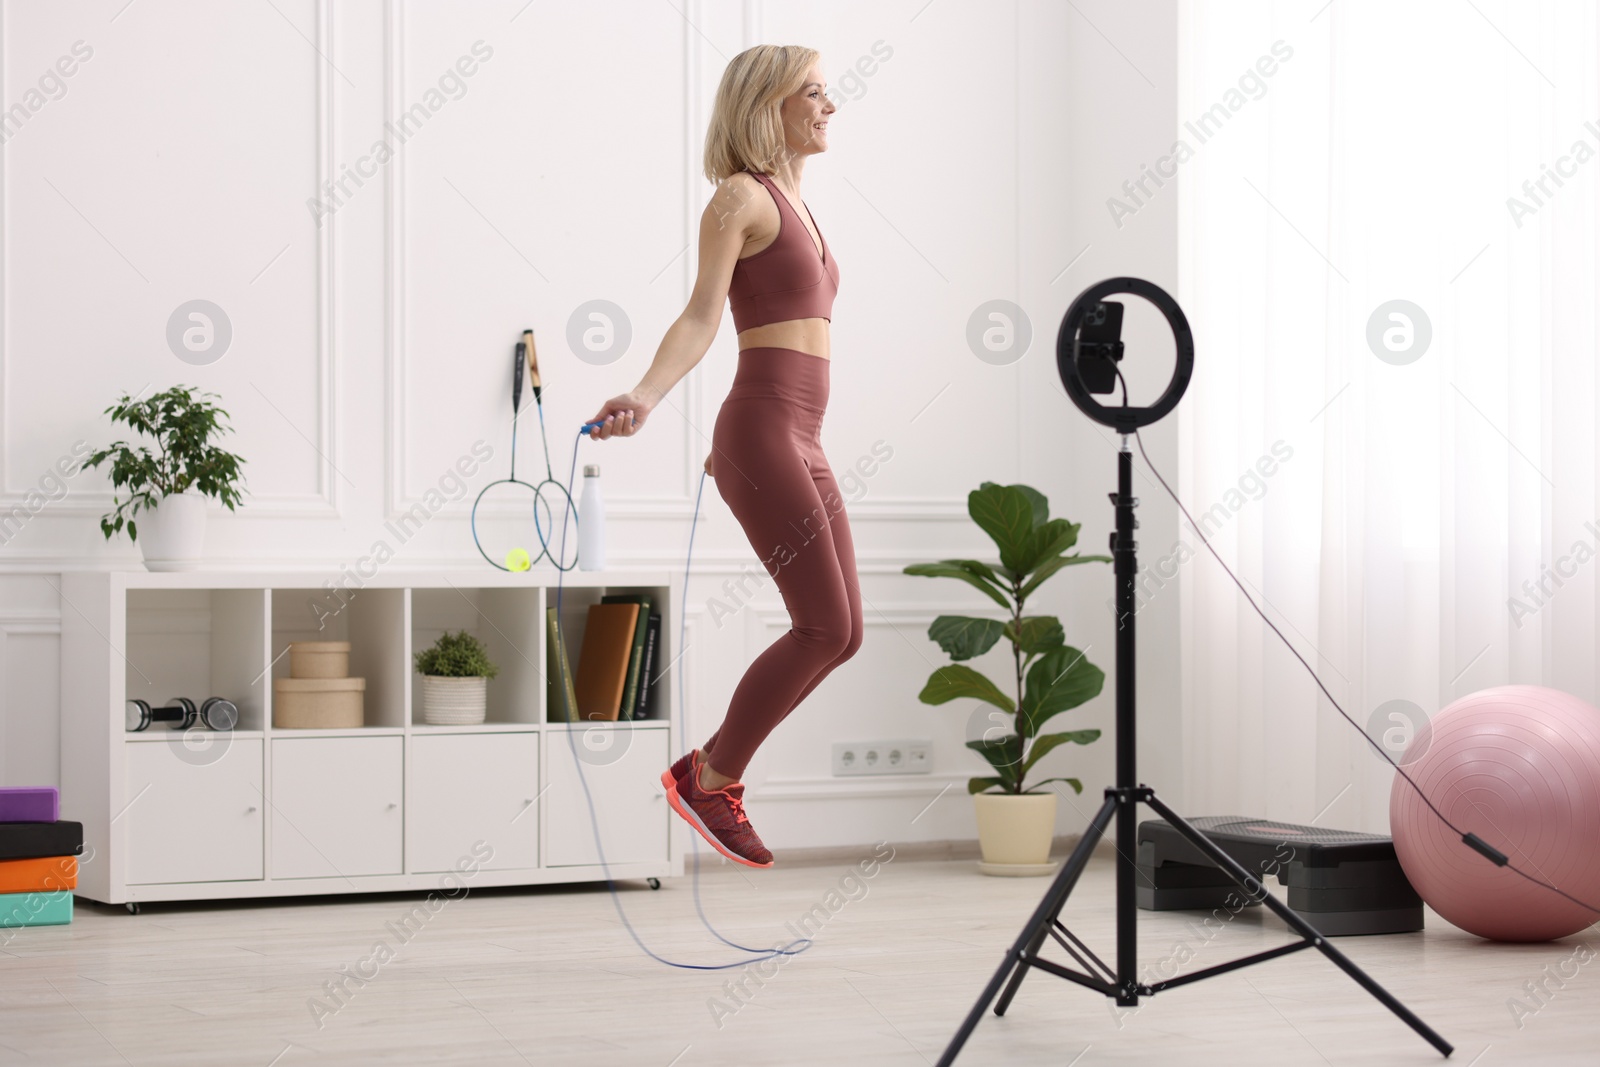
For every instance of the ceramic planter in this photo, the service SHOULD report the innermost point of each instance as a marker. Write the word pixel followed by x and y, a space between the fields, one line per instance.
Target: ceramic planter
pixel 1015 831
pixel 172 534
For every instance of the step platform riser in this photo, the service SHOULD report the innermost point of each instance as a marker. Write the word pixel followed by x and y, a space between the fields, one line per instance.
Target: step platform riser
pixel 1342 882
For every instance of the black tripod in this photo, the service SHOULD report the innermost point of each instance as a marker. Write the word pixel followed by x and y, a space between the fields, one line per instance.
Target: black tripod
pixel 1087 364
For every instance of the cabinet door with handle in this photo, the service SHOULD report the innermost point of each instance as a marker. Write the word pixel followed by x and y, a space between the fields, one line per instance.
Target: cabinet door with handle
pixel 336 806
pixel 192 819
pixel 621 767
pixel 472 788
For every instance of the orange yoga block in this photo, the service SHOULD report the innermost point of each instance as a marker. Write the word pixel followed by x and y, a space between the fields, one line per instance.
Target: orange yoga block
pixel 47 873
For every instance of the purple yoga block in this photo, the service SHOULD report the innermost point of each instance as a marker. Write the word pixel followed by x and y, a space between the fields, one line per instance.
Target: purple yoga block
pixel 30 805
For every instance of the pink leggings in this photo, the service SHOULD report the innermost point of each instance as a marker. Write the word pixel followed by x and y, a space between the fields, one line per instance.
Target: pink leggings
pixel 768 463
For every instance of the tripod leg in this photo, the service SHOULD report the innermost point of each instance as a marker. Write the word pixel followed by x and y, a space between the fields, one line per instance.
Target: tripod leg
pixel 1070 873
pixel 1033 933
pixel 1258 891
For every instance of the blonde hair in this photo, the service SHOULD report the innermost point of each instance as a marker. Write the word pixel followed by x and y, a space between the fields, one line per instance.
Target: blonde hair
pixel 746 132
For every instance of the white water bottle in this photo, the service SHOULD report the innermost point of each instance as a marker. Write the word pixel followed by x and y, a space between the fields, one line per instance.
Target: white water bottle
pixel 591 522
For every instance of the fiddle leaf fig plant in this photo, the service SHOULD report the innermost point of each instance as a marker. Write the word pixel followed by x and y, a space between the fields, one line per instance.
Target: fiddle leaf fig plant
pixel 1050 676
pixel 182 423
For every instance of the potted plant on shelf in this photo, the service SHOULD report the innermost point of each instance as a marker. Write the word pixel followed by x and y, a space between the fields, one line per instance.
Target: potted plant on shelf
pixel 169 486
pixel 1016 820
pixel 455 680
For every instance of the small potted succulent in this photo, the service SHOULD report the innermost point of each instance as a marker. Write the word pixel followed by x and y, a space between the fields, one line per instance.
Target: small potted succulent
pixel 170 485
pixel 1016 819
pixel 455 680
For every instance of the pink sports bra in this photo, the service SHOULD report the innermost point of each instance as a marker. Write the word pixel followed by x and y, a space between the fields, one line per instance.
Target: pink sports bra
pixel 787 279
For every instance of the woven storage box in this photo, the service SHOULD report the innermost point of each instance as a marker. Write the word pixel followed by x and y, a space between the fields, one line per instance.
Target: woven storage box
pixel 317 703
pixel 319 659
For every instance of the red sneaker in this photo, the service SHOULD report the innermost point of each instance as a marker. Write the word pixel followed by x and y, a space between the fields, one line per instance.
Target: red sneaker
pixel 671 775
pixel 718 815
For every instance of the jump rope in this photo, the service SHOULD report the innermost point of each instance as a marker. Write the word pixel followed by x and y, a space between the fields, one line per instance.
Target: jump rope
pixel 519 560
pixel 1471 840
pixel 758 955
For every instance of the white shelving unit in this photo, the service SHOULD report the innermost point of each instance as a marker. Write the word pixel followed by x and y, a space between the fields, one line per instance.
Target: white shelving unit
pixel 392 805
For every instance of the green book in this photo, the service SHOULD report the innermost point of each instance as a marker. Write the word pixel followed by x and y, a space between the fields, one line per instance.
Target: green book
pixel 630 692
pixel 563 697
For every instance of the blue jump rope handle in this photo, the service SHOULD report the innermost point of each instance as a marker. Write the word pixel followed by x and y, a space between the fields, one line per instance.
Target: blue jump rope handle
pixel 591 425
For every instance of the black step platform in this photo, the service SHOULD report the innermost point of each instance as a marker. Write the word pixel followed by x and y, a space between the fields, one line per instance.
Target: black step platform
pixel 1341 881
pixel 40 840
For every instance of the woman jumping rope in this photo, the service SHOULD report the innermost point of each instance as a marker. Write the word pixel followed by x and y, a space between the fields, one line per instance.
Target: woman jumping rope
pixel 761 250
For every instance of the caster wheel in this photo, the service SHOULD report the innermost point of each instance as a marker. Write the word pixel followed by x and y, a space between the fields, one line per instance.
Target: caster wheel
pixel 655 883
pixel 133 908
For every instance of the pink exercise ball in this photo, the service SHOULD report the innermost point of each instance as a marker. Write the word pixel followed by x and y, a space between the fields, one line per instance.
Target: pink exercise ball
pixel 1518 765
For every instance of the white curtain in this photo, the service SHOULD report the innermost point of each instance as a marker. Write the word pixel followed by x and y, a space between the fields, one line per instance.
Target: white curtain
pixel 1432 531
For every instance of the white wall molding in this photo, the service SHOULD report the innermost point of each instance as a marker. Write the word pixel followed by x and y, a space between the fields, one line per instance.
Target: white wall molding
pixel 324 503
pixel 13 623
pixel 327 265
pixel 705 565
pixel 320 504
pixel 397 498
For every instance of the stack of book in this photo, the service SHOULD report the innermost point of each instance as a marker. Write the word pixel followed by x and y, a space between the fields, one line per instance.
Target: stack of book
pixel 616 665
pixel 38 858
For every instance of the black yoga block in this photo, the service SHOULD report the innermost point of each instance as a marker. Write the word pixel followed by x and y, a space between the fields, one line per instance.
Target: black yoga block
pixel 35 840
pixel 1340 881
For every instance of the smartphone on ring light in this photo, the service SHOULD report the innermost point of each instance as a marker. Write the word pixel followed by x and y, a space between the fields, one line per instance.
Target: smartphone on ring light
pixel 1099 346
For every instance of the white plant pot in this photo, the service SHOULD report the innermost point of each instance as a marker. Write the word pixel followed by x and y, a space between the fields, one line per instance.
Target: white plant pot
pixel 172 534
pixel 1015 832
pixel 453 701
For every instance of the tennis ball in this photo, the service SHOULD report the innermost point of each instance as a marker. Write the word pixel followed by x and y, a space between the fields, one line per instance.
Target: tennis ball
pixel 517 560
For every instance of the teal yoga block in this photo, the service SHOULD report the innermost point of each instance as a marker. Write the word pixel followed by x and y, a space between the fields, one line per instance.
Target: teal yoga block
pixel 35 909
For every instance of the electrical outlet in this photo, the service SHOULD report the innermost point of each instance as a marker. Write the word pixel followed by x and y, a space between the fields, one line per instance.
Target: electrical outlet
pixel 882 757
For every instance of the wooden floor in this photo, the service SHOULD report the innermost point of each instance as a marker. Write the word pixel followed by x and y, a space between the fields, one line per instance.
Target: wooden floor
pixel 550 976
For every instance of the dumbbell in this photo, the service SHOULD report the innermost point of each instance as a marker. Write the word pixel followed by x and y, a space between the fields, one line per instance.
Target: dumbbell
pixel 217 713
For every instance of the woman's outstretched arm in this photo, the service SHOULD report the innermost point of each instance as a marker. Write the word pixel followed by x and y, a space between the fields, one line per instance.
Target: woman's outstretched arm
pixel 724 228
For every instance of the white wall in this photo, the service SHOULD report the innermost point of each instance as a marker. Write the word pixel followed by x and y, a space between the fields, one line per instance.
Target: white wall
pixel 369 352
